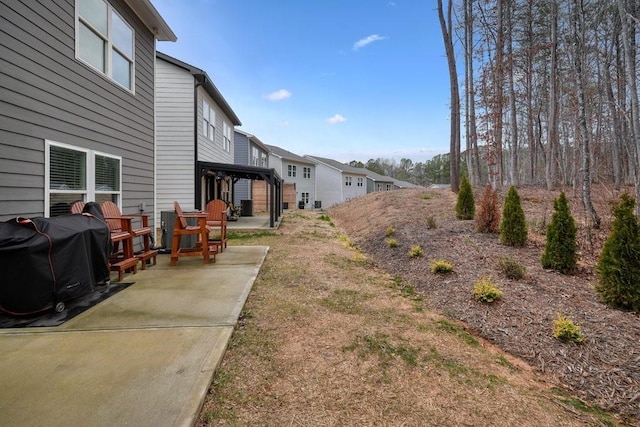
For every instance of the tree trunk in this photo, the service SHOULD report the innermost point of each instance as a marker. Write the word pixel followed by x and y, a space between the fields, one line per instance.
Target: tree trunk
pixel 552 128
pixel 584 133
pixel 498 81
pixel 473 157
pixel 629 49
pixel 454 142
pixel 514 171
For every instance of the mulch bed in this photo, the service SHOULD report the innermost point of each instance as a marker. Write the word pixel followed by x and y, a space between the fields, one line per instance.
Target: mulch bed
pixel 604 369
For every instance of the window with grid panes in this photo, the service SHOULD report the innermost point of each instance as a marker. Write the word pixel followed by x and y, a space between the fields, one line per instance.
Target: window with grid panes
pixel 105 41
pixel 73 174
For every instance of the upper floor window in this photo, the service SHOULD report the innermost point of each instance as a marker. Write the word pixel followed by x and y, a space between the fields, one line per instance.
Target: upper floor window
pixel 255 157
pixel 347 181
pixel 74 173
pixel 360 181
pixel 208 121
pixel 306 172
pixel 226 139
pixel 291 171
pixel 264 162
pixel 105 41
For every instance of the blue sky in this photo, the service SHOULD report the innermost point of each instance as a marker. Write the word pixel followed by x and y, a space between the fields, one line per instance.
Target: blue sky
pixel 343 79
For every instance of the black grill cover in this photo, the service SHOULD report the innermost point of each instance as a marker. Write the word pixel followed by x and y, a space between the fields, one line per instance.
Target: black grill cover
pixel 47 260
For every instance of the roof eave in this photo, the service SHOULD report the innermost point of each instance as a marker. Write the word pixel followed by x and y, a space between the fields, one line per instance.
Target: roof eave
pixel 152 19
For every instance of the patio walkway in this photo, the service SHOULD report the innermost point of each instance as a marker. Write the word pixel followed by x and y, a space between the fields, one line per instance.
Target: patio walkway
pixel 143 357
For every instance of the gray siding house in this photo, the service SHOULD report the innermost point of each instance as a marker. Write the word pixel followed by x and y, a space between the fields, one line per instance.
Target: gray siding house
pixel 77 104
pixel 249 151
pixel 338 182
pixel 298 175
pixel 377 182
pixel 195 130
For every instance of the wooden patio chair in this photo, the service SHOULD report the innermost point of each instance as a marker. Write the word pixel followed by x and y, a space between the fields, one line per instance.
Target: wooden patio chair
pixel 217 219
pixel 77 207
pixel 119 260
pixel 181 228
pixel 114 217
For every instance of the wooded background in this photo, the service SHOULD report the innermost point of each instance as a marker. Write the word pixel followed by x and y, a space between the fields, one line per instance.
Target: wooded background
pixel 549 95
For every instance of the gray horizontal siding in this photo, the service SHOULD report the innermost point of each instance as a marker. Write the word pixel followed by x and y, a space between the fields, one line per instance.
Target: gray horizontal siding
pixel 45 93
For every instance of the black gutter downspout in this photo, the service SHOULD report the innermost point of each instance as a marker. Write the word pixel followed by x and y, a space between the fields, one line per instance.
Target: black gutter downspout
pixel 200 80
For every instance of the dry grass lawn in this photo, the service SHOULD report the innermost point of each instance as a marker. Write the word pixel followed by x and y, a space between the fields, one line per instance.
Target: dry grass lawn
pixel 329 339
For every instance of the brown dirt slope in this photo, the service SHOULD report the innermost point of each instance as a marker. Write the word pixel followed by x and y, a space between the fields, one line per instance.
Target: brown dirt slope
pixel 604 369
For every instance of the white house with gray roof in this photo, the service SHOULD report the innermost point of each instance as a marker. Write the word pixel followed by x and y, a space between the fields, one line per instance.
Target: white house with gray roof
pixel 337 182
pixel 296 172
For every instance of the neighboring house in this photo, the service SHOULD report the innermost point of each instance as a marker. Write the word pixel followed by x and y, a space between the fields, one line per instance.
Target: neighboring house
pixel 338 182
pixel 377 182
pixel 404 184
pixel 194 124
pixel 77 104
pixel 298 175
pixel 249 151
pixel 196 144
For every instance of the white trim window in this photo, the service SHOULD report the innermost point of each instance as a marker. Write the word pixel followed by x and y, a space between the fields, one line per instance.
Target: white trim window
pixel 291 171
pixel 105 41
pixel 74 173
pixel 347 181
pixel 360 181
pixel 306 172
pixel 304 198
pixel 208 121
pixel 255 157
pixel 264 162
pixel 226 137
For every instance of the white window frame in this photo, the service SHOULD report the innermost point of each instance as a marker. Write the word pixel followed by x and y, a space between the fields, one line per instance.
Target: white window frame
pixel 226 137
pixel 360 181
pixel 291 171
pixel 347 181
pixel 255 156
pixel 208 121
pixel 110 47
pixel 306 172
pixel 304 198
pixel 89 193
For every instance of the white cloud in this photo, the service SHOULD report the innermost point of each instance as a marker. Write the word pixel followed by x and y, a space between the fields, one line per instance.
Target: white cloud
pixel 336 119
pixel 278 95
pixel 367 40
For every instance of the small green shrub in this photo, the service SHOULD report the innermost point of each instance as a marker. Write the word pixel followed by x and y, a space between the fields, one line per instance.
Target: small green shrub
pixel 389 232
pixel 441 266
pixel 565 330
pixel 416 251
pixel 431 222
pixel 465 206
pixel 619 263
pixel 513 228
pixel 393 243
pixel 485 291
pixel 560 250
pixel 511 268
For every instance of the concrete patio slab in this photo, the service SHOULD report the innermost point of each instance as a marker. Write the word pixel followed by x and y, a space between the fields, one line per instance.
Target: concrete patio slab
pixel 145 356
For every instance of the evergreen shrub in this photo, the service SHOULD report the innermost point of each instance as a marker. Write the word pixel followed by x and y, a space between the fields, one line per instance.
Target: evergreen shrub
pixel 465 206
pixel 619 263
pixel 560 252
pixel 513 228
